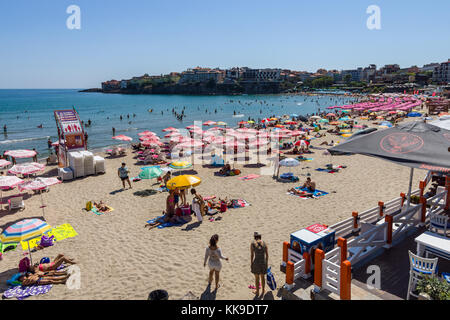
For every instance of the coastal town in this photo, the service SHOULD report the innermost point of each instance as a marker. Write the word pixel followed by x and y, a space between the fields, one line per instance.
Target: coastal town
pixel 431 77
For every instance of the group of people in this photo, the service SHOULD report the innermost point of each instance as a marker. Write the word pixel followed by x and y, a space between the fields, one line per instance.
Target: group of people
pixel 44 273
pixel 307 189
pixel 259 260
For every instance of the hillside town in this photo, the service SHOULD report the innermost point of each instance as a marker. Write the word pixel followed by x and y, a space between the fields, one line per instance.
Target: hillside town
pixel 432 77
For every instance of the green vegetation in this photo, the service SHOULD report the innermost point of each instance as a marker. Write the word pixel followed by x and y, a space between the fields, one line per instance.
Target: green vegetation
pixel 436 288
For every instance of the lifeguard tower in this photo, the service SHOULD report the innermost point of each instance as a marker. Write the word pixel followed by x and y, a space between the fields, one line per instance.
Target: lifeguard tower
pixel 70 134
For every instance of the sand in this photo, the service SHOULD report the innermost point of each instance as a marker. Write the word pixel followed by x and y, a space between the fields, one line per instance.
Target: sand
pixel 120 259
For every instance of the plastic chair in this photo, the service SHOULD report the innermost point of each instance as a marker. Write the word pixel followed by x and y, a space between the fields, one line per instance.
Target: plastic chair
pixel 438 223
pixel 16 203
pixel 419 267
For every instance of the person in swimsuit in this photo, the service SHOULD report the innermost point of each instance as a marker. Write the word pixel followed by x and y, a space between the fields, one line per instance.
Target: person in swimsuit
pixel 176 195
pixel 169 214
pixel 310 185
pixel 198 198
pixel 213 254
pixel 259 258
pixel 55 264
pixel 30 279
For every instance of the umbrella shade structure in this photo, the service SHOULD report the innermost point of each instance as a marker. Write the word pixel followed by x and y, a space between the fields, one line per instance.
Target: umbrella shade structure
pixel 4 163
pixel 414 144
pixel 146 133
pixel 122 137
pixel 24 230
pixel 386 124
pixel 289 162
pixel 8 182
pixel 27 168
pixel 183 182
pixel 180 165
pixel 20 154
pixel 39 184
pixel 209 123
pixel 170 129
pixel 443 122
pixel 151 173
pixel 221 123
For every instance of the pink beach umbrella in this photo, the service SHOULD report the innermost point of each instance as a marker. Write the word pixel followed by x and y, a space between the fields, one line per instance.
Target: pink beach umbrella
pixel 209 123
pixel 190 144
pixel 4 163
pixel 122 138
pixel 172 129
pixel 27 168
pixel 146 133
pixel 21 154
pixel 39 184
pixel 8 182
pixel 173 134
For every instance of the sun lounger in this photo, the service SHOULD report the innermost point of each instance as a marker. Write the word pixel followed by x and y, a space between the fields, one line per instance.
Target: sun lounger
pixel 16 203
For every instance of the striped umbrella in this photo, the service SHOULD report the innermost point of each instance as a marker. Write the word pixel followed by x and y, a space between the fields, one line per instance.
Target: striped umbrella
pixel 146 133
pixel 4 163
pixel 180 165
pixel 122 138
pixel 39 184
pixel 27 168
pixel 24 230
pixel 8 182
pixel 20 154
pixel 170 129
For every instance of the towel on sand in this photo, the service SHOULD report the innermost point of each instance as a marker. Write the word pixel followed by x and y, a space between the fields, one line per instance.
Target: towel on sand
pixel 21 293
pixel 98 212
pixel 166 224
pixel 315 193
pixel 249 177
pixel 61 232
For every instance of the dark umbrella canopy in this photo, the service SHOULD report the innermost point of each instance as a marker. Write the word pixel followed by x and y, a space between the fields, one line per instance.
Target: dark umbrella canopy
pixel 415 144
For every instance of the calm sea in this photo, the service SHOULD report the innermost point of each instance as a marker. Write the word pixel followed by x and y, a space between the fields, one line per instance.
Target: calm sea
pixel 24 110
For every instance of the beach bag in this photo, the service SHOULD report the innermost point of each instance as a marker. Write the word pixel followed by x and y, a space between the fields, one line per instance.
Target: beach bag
pixel 89 205
pixel 237 172
pixel 271 279
pixel 47 241
pixel 178 212
pixel 223 206
pixel 24 264
pixel 185 211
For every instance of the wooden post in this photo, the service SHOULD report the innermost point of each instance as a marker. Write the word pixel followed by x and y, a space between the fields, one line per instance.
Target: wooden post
pixel 355 220
pixel 290 273
pixel 346 280
pixel 423 201
pixel 319 256
pixel 447 186
pixel 422 185
pixel 381 205
pixel 342 243
pixel 403 198
pixel 307 258
pixel 389 219
pixel 286 246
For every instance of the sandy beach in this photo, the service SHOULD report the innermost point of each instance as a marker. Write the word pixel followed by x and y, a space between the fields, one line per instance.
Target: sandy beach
pixel 120 259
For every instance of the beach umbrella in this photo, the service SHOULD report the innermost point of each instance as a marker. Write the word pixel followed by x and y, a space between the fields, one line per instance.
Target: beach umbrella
pixel 4 163
pixel 315 117
pixel 150 173
pixel 323 121
pixel 24 230
pixel 154 144
pixel 294 115
pixel 289 162
pixel 146 133
pixel 27 168
pixel 170 129
pixel 39 184
pixel 414 114
pixel 193 127
pixel 122 137
pixel 190 144
pixel 173 134
pixel 221 123
pixel 331 115
pixel 209 123
pixel 414 144
pixel 183 182
pixel 8 182
pixel 297 133
pixel 178 165
pixel 301 143
pixel 20 154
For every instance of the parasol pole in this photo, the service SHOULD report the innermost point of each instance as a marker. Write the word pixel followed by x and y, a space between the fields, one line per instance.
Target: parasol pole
pixel 409 188
pixel 42 205
pixel 29 252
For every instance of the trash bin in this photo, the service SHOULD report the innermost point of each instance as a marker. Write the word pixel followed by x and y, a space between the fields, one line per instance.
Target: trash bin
pixel 158 295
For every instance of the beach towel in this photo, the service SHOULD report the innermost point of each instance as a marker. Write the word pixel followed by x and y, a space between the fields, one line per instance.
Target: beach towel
pixel 61 232
pixel 21 293
pixel 99 213
pixel 315 193
pixel 249 177
pixel 304 159
pixel 166 224
pixel 162 189
pixel 239 203
pixel 209 198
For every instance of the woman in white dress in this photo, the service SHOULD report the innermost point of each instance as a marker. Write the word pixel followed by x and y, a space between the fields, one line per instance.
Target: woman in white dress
pixel 214 254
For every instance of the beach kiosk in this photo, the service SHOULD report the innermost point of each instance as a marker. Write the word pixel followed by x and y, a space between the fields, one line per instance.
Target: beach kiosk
pixel 70 134
pixel 312 237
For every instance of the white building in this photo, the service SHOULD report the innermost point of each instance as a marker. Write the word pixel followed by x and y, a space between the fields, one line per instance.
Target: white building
pixel 441 74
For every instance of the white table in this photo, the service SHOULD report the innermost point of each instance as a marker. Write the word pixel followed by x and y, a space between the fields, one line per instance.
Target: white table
pixel 434 243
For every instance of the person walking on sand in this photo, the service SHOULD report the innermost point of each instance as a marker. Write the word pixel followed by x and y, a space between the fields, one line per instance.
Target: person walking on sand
pixel 123 174
pixel 214 253
pixel 259 258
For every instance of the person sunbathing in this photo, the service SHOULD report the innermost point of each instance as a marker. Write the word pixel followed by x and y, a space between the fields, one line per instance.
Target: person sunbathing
pixel 300 192
pixel 225 170
pixel 309 185
pixel 54 265
pixel 101 206
pixel 30 279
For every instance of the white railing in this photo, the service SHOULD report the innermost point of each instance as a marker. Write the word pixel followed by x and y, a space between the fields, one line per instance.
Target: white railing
pixel 342 228
pixel 363 245
pixel 435 201
pixel 331 271
pixel 403 221
pixel 299 263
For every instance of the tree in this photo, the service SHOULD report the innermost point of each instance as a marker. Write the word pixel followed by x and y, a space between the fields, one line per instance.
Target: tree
pixel 348 78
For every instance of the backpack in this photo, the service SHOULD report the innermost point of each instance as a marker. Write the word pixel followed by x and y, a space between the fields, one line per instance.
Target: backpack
pixel 45 260
pixel 24 264
pixel 223 206
pixel 271 279
pixel 47 241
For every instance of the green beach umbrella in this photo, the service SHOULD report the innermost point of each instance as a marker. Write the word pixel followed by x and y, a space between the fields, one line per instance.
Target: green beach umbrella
pixel 323 121
pixel 150 173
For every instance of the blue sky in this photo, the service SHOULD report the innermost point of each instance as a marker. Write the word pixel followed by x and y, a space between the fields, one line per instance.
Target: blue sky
pixel 121 39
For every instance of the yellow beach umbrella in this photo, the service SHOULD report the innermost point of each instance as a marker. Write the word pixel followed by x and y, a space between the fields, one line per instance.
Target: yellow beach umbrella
pixel 221 123
pixel 183 182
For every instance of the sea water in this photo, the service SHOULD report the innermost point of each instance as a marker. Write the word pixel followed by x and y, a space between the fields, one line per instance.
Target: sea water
pixel 23 111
